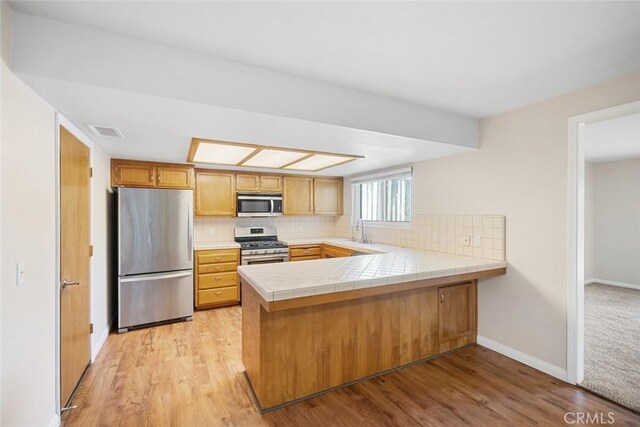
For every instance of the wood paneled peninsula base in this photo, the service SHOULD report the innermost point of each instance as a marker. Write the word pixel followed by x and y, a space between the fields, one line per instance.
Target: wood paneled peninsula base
pixel 296 348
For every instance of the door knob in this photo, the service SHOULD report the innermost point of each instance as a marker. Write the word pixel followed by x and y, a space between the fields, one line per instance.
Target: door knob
pixel 65 283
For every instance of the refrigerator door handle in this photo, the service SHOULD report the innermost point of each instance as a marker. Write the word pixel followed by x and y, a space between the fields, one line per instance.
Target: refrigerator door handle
pixel 190 231
pixel 160 276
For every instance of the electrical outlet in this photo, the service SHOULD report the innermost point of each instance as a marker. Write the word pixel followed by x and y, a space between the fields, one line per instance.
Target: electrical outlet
pixel 467 240
pixel 20 273
pixel 477 241
pixel 434 237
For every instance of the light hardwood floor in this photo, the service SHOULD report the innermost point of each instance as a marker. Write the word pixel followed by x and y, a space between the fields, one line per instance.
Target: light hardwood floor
pixel 190 374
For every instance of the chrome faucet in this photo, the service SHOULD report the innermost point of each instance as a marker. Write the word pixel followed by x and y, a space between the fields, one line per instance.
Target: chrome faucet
pixel 361 229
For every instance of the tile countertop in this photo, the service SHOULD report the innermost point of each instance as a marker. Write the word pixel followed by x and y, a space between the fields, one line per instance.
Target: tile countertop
pixel 216 245
pixel 386 265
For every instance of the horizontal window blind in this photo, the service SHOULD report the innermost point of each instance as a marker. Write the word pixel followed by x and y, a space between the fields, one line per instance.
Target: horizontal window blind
pixel 385 197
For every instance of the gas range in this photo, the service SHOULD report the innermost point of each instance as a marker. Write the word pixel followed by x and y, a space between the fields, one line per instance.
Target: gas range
pixel 260 245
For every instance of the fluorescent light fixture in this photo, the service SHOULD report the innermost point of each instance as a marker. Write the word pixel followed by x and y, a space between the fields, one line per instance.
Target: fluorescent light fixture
pixel 261 156
pixel 273 158
pixel 318 162
pixel 221 154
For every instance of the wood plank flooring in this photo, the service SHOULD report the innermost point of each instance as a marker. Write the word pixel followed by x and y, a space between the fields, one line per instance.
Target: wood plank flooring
pixel 190 374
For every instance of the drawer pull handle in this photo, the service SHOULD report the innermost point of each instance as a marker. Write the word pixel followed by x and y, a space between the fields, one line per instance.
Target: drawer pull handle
pixel 218 293
pixel 218 259
pixel 218 278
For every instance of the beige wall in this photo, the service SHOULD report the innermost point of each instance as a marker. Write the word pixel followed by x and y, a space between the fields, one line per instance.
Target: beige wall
pixel 616 222
pixel 27 173
pixel 520 171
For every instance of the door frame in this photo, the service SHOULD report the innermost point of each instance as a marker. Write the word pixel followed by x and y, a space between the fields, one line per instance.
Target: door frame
pixel 60 120
pixel 575 227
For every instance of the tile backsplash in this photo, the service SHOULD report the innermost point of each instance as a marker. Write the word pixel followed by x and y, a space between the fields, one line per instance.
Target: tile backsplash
pixel 213 230
pixel 442 233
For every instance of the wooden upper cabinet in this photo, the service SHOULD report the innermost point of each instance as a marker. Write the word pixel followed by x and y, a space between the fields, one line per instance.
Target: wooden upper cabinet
pixel 327 196
pixel 132 174
pixel 456 312
pixel 297 195
pixel 271 183
pixel 215 193
pixel 174 176
pixel 266 183
pixel 247 182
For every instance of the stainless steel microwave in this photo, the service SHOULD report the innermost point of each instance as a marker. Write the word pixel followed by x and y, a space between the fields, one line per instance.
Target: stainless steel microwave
pixel 259 204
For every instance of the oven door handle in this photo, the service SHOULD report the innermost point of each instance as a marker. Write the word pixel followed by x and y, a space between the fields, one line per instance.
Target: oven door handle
pixel 246 261
pixel 271 200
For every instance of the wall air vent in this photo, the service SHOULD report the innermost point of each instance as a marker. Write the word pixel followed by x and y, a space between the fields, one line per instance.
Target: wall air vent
pixel 106 131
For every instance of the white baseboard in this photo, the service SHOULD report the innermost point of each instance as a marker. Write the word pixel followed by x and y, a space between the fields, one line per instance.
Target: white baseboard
pixel 55 421
pixel 521 357
pixel 612 283
pixel 95 349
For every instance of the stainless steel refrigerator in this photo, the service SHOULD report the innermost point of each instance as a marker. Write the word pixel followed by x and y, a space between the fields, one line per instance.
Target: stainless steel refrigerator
pixel 155 256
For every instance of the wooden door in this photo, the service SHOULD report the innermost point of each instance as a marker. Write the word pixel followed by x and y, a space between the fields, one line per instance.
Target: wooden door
pixel 298 196
pixel 270 183
pixel 247 182
pixel 134 175
pixel 75 241
pixel 215 194
pixel 456 312
pixel 327 196
pixel 174 177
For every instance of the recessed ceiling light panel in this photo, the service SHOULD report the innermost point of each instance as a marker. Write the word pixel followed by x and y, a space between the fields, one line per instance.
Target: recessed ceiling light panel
pixel 221 154
pixel 318 162
pixel 273 158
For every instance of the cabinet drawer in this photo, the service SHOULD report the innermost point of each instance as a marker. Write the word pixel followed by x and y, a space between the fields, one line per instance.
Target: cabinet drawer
pixel 305 251
pixel 211 257
pixel 220 280
pixel 304 258
pixel 218 295
pixel 217 268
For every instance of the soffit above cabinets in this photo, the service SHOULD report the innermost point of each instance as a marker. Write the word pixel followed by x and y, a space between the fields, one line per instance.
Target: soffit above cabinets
pixel 262 156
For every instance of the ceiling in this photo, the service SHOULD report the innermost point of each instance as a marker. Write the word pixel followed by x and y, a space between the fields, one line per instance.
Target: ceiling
pixel 615 139
pixel 471 58
pixel 160 128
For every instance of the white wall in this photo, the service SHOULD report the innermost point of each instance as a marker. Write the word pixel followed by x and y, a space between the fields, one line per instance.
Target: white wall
pixel 520 171
pixel 616 222
pixel 589 218
pixel 27 235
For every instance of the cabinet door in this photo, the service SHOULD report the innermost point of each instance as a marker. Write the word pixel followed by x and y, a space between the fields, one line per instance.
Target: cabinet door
pixel 298 195
pixel 247 182
pixel 456 312
pixel 327 196
pixel 175 177
pixel 334 252
pixel 215 194
pixel 133 175
pixel 271 183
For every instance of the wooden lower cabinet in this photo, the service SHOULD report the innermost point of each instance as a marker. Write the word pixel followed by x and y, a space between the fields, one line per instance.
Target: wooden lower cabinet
pixel 329 251
pixel 457 316
pixel 294 349
pixel 217 283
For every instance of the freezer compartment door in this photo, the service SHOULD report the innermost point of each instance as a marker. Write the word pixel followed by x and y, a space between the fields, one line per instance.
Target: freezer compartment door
pixel 155 230
pixel 154 298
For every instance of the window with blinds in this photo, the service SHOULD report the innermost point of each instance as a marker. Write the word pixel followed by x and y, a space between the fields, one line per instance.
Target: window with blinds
pixel 385 199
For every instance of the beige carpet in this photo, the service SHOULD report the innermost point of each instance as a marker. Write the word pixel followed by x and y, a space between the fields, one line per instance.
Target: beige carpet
pixel 612 343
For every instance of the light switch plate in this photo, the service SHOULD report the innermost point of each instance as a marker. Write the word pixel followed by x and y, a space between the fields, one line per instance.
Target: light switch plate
pixel 20 273
pixel 467 240
pixel 477 241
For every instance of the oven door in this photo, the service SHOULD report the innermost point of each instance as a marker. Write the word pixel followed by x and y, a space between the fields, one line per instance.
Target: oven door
pixel 264 259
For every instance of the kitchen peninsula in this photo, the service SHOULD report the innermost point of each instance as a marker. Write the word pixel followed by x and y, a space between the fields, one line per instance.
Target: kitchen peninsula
pixel 311 326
